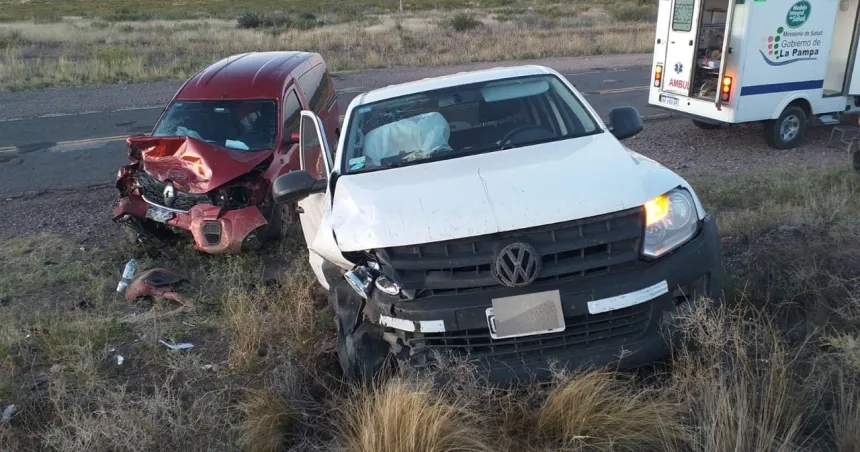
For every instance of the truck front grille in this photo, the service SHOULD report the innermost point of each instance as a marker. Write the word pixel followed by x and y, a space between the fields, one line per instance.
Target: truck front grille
pixel 152 191
pixel 582 331
pixel 569 250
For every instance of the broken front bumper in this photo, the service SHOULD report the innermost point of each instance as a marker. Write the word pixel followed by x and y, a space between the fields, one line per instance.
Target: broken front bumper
pixel 215 230
pixel 610 319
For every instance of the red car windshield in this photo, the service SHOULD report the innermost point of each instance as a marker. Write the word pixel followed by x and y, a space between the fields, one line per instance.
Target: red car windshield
pixel 243 125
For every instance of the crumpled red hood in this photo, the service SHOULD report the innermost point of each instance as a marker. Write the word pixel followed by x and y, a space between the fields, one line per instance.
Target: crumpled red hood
pixel 192 165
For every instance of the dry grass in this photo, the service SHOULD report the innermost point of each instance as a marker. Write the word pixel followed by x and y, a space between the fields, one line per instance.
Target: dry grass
pixel 271 414
pixel 745 389
pixel 598 411
pixel 403 417
pixel 77 51
pixel 774 369
pixel 111 10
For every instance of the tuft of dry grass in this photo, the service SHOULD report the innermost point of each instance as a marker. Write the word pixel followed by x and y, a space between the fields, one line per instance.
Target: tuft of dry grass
pixel 846 418
pixel 76 51
pixel 288 310
pixel 742 382
pixel 103 417
pixel 403 416
pixel 266 418
pixel 274 412
pixel 848 348
pixel 599 411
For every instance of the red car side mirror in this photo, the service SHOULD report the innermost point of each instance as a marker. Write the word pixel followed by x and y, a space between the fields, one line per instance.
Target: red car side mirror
pixel 291 139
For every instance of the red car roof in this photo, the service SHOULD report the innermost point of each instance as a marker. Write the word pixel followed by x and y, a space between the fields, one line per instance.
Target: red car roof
pixel 254 75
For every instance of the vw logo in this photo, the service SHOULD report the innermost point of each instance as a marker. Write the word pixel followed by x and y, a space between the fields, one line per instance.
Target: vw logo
pixel 169 194
pixel 517 264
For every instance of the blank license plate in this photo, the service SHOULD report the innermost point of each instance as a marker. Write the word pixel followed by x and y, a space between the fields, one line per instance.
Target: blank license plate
pixel 158 214
pixel 526 315
pixel 668 100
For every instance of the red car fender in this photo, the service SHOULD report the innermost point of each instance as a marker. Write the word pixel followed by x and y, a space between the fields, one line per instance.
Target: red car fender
pixel 133 205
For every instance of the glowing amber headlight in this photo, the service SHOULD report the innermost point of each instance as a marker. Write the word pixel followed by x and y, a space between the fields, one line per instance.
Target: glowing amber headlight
pixel 656 209
pixel 670 220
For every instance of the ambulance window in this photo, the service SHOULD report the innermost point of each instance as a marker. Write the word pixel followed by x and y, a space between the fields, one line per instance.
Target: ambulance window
pixel 682 15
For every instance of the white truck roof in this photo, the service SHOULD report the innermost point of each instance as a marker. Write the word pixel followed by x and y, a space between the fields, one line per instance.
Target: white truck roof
pixel 446 81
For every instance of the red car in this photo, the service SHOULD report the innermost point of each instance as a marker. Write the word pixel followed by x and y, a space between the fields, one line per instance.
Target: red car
pixel 207 167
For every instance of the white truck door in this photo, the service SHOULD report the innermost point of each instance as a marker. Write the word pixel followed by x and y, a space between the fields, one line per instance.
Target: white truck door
pixel 854 86
pixel 315 210
pixel 681 46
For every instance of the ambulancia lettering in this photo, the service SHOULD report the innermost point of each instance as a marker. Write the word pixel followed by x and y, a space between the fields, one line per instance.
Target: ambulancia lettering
pixel 680 84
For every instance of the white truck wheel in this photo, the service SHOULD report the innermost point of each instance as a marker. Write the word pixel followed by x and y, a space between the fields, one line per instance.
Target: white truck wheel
pixel 787 131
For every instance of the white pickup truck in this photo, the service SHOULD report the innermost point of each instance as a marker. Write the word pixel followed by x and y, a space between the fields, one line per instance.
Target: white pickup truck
pixel 492 215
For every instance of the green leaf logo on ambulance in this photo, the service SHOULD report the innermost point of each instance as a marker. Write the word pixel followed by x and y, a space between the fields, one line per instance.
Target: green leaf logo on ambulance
pixel 798 14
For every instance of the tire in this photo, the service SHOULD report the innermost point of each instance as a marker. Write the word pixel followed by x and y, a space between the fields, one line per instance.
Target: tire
pixel 361 350
pixel 787 131
pixel 284 218
pixel 362 353
pixel 705 125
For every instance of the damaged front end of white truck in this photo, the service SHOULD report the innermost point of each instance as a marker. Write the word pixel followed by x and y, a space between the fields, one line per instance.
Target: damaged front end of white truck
pixel 492 216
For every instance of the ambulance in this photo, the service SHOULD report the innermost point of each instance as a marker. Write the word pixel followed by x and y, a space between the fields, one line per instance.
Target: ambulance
pixel 787 64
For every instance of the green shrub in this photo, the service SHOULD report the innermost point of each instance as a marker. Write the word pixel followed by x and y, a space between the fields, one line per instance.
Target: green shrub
pixel 300 21
pixel 127 15
pixel 250 20
pixel 464 22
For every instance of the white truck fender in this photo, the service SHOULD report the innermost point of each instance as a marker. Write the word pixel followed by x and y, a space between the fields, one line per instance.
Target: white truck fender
pixel 789 99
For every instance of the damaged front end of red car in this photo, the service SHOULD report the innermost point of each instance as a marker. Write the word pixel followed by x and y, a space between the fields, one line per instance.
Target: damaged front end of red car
pixel 182 185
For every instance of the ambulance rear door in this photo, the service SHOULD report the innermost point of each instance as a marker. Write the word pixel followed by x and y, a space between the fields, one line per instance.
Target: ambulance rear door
pixel 681 46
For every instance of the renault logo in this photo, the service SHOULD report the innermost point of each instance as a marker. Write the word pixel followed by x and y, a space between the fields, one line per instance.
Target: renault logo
pixel 169 194
pixel 517 264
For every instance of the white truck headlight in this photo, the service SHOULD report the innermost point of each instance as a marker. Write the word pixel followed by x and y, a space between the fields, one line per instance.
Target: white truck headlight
pixel 670 221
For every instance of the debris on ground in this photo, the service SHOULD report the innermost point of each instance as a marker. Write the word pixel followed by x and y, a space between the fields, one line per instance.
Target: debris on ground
pixel 177 347
pixel 127 274
pixel 157 282
pixel 8 413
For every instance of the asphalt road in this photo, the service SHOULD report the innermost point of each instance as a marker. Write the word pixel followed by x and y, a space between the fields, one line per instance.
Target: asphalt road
pixel 71 145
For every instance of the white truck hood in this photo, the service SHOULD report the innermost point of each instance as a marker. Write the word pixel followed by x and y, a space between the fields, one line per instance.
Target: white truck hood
pixel 494 192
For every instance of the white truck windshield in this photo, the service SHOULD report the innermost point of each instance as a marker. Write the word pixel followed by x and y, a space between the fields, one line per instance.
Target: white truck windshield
pixel 463 120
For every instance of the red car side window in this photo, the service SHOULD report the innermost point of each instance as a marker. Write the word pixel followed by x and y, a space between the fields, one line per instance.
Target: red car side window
pixel 292 113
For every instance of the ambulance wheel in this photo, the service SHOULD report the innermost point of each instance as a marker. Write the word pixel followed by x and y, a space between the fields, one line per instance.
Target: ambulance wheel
pixel 787 131
pixel 705 125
